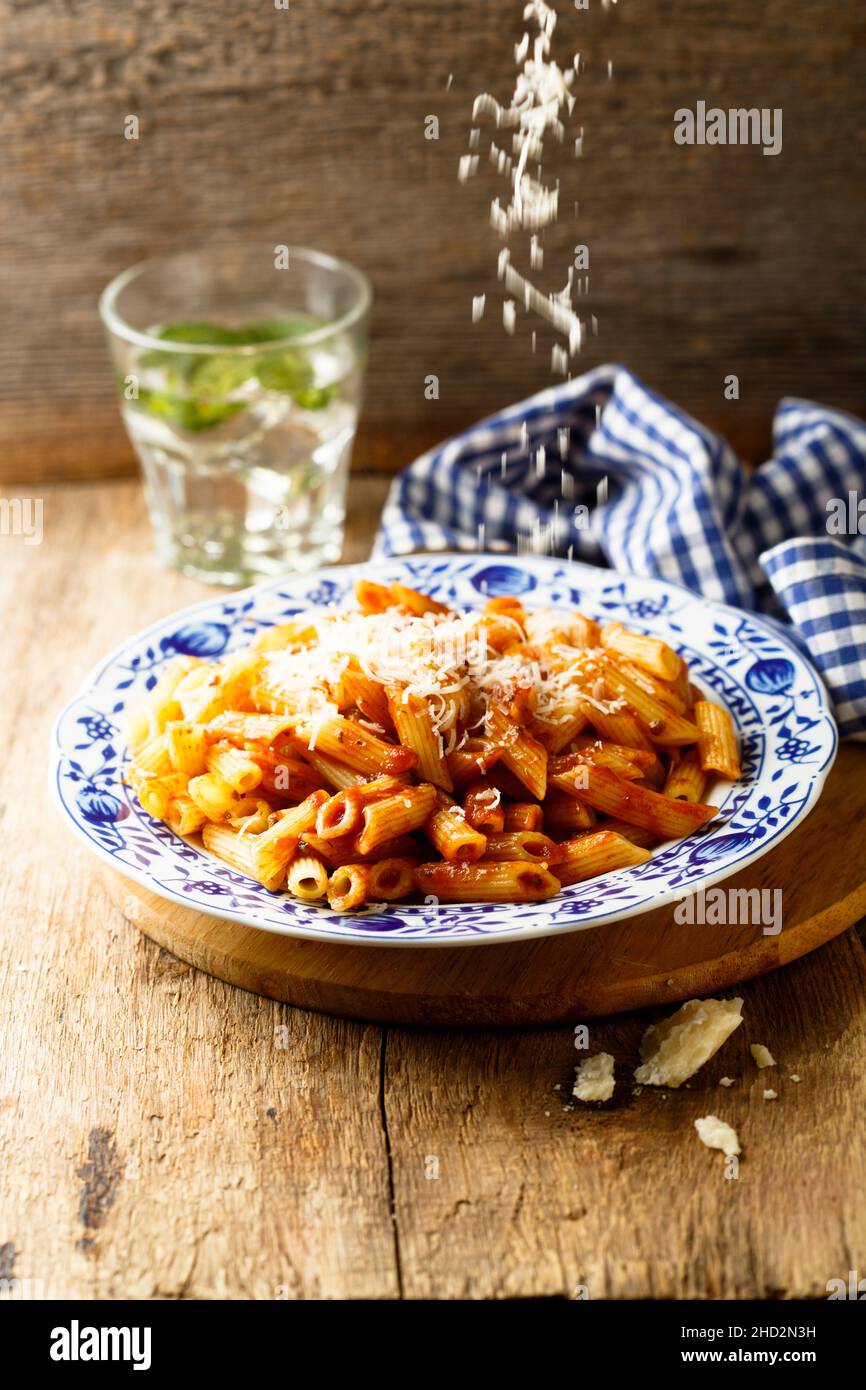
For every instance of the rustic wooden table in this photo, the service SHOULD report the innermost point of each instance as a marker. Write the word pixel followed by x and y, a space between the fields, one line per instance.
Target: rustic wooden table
pixel 165 1135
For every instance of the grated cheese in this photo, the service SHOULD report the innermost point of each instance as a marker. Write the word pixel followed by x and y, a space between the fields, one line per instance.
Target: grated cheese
pixel 542 97
pixel 762 1055
pixel 434 657
pixel 717 1134
pixel 673 1050
pixel 594 1079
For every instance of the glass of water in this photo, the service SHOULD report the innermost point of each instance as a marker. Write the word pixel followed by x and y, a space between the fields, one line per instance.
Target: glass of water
pixel 240 372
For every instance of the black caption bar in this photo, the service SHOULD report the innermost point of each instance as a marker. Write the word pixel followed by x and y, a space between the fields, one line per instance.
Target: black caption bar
pixel 141 1339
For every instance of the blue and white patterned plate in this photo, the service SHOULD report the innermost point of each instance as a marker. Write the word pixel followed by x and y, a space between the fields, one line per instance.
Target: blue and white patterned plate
pixel 777 702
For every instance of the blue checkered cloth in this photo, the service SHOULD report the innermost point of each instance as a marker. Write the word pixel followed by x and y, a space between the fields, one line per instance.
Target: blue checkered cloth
pixel 603 470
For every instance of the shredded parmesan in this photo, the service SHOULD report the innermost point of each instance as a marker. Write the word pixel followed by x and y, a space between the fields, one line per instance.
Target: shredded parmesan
pixel 435 657
pixel 762 1055
pixel 717 1134
pixel 594 1078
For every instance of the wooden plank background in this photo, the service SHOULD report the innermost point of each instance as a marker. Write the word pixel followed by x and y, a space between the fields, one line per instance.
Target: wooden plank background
pixel 307 125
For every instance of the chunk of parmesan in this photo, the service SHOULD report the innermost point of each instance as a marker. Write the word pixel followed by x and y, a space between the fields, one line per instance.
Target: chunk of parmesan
pixel 762 1055
pixel 726 1081
pixel 771 1095
pixel 594 1078
pixel 673 1050
pixel 716 1134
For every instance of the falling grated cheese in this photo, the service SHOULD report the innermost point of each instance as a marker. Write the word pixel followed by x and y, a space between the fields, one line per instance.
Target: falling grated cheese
pixel 542 96
pixel 594 1078
pixel 673 1050
pixel 717 1134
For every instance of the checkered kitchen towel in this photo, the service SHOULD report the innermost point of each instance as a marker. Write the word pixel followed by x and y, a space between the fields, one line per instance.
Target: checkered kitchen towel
pixel 677 504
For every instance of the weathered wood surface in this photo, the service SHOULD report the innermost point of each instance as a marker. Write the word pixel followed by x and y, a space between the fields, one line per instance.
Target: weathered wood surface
pixel 163 1134
pixel 307 125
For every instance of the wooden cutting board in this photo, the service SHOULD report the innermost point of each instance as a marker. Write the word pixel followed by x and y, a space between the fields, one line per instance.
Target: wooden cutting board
pixel 646 960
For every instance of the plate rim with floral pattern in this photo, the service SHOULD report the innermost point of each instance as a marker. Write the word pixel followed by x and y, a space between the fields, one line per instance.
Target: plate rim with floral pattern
pixel 779 705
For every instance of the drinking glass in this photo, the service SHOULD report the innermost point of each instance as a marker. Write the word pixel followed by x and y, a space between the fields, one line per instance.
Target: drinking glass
pixel 240 372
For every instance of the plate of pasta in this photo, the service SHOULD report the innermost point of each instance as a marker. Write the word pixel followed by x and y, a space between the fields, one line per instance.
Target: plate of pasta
pixel 443 750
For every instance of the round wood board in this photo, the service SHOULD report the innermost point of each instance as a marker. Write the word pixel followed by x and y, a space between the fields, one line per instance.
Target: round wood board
pixel 646 960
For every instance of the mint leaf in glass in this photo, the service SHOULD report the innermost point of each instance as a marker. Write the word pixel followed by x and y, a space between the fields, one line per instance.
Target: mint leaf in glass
pixel 188 414
pixel 196 388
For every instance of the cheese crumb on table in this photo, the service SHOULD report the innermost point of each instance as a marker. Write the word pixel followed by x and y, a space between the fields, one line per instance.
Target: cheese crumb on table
pixel 793 1076
pixel 673 1050
pixel 716 1134
pixel 594 1078
pixel 771 1095
pixel 726 1081
pixel 762 1055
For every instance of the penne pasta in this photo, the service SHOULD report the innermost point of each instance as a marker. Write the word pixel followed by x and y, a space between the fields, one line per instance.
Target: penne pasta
pixel 213 796
pixel 650 653
pixel 605 791
pixel 661 722
pixel 241 728
pixel 355 689
pixel 346 741
pixel 450 832
pixel 307 878
pixel 183 816
pixel 285 777
pixel 235 767
pixel 235 849
pixel 334 773
pixel 251 816
pixel 153 759
pixel 335 853
pixel 413 723
pixel 638 836
pixel 524 815
pixel 522 844
pixel 416 603
pixel 186 745
pixel 469 762
pixel 603 754
pixel 519 751
pixel 563 813
pixel 342 753
pixel 373 598
pixel 343 813
pixel 686 778
pixel 273 849
pixel 350 887
pixel 514 881
pixel 297 633
pixel 483 808
pixel 717 742
pixel 393 815
pixel 559 734
pixel 599 852
pixel 393 878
